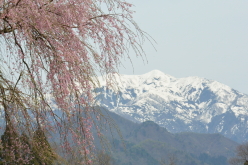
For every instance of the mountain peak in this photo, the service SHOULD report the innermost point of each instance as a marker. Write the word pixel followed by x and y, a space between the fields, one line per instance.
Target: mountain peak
pixel 156 73
pixel 180 104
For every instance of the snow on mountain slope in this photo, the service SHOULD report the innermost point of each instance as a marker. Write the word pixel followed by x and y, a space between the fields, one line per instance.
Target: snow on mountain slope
pixel 179 104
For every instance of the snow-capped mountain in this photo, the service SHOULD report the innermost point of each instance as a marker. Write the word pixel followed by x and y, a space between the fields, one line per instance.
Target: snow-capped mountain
pixel 179 104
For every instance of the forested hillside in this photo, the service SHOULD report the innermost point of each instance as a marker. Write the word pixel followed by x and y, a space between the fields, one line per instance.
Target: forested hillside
pixel 149 144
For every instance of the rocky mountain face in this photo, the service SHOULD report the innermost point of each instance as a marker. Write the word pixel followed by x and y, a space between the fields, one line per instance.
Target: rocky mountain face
pixel 189 104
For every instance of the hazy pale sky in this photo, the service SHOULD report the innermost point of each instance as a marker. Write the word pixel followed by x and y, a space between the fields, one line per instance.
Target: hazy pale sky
pixel 205 38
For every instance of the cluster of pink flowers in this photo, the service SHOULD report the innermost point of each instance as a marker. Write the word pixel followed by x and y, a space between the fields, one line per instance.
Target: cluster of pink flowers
pixel 57 47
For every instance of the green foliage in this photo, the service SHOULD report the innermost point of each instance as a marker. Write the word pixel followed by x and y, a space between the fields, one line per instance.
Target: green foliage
pixel 42 151
pixel 8 139
pixel 20 149
pixel 102 158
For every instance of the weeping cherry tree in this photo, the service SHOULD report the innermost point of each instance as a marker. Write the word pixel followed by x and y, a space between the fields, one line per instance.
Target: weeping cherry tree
pixel 51 54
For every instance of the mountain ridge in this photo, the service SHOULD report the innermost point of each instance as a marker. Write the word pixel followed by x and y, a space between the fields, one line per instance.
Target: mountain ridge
pixel 147 143
pixel 179 104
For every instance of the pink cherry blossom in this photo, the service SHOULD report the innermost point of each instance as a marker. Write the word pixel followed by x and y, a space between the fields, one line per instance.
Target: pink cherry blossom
pixel 57 48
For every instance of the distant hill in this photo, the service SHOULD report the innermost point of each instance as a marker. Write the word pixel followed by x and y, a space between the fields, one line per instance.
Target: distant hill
pixel 189 104
pixel 147 144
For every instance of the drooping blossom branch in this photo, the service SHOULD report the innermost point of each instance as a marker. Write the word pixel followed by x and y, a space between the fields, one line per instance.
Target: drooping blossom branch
pixel 55 49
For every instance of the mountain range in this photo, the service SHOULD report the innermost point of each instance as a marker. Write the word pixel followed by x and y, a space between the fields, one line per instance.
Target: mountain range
pixel 149 144
pixel 190 104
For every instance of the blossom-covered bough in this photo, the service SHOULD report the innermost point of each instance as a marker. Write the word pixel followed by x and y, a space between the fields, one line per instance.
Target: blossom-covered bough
pixel 53 50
